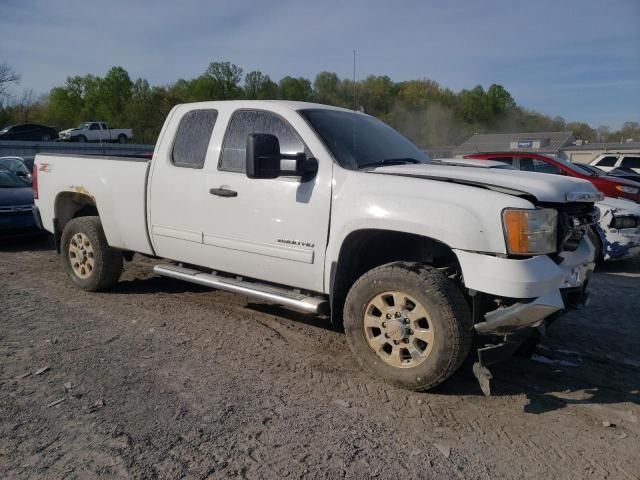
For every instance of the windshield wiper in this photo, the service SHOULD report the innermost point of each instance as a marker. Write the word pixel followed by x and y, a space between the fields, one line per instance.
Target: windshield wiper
pixel 390 161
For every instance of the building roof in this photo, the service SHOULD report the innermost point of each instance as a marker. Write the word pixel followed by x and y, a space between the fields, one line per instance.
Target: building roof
pixel 606 147
pixel 541 142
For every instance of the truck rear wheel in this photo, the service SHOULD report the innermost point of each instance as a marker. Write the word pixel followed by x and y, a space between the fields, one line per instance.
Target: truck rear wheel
pixel 87 257
pixel 408 324
pixel 122 138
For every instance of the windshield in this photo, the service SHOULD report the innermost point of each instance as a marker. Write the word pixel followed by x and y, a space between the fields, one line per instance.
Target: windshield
pixel 574 166
pixel 5 130
pixel 594 171
pixel 83 126
pixel 9 180
pixel 357 140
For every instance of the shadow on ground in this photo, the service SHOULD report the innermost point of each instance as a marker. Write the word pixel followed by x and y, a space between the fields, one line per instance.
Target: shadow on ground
pixel 32 243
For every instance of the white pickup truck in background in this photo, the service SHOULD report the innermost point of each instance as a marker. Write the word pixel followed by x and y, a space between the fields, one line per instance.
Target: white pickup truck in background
pixel 96 132
pixel 325 209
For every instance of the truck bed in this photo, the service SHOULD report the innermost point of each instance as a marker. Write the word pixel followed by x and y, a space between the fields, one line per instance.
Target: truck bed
pixel 123 215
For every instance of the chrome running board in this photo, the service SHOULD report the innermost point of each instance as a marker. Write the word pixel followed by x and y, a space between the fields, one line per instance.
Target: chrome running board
pixel 283 296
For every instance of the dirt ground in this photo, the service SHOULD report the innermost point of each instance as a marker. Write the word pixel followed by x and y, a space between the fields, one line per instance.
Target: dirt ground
pixel 162 379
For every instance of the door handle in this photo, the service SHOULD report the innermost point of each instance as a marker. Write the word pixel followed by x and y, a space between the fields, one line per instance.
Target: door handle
pixel 223 192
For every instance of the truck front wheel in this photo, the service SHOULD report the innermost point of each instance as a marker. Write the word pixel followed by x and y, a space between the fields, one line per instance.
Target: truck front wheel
pixel 409 324
pixel 88 259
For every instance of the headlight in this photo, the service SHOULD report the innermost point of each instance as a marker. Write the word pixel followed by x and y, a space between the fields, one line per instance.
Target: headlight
pixel 627 189
pixel 530 232
pixel 624 222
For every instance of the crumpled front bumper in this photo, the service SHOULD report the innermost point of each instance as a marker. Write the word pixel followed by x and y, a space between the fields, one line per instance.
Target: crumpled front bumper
pixel 537 284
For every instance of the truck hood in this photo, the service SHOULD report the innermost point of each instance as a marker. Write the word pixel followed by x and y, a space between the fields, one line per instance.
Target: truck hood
pixel 543 187
pixel 68 130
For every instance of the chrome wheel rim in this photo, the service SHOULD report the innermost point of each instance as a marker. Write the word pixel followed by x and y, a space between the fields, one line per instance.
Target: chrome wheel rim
pixel 81 255
pixel 398 329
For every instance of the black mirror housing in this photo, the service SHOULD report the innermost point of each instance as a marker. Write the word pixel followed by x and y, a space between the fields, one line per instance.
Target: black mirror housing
pixel 263 156
pixel 264 159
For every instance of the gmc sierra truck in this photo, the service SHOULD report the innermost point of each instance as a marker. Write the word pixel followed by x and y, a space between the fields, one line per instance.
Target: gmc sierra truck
pixel 329 210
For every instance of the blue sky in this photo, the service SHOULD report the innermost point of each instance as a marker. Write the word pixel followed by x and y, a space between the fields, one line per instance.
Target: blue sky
pixel 579 59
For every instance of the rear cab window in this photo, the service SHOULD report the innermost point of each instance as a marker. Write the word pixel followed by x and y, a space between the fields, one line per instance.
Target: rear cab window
pixel 192 138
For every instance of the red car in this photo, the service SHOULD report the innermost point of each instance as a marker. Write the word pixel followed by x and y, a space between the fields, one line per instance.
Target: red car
pixel 534 162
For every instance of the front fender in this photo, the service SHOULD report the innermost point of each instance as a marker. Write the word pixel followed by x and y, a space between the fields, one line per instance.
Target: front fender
pixel 462 217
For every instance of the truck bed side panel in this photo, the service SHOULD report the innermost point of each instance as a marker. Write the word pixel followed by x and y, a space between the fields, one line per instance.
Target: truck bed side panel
pixel 116 184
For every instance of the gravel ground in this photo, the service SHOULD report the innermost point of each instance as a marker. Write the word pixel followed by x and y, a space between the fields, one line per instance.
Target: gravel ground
pixel 162 379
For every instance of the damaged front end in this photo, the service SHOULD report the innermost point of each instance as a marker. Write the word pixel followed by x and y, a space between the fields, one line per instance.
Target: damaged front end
pixel 514 296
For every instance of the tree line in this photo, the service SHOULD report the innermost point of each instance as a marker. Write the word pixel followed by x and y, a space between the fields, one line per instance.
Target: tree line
pixel 427 113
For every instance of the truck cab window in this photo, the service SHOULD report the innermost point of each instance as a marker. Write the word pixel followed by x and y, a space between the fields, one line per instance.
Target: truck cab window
pixel 94 126
pixel 192 138
pixel 245 122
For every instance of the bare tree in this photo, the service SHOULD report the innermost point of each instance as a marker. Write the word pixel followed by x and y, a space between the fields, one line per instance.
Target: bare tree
pixel 603 132
pixel 7 76
pixel 26 104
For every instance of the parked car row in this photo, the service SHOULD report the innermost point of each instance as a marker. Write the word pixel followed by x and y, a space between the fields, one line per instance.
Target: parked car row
pixel 85 132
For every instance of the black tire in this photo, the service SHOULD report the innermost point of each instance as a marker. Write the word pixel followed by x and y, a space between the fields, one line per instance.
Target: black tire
pixel 107 261
pixel 80 138
pixel 448 312
pixel 122 138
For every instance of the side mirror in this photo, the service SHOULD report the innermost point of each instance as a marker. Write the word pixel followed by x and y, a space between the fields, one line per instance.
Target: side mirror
pixel 264 159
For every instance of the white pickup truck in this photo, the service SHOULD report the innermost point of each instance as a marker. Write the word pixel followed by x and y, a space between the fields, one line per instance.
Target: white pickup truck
pixel 96 132
pixel 325 209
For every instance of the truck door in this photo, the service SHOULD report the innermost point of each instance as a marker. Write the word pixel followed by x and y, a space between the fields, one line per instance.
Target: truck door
pixel 94 134
pixel 212 214
pixel 105 133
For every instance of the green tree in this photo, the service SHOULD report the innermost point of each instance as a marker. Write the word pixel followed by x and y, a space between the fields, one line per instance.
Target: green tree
pixel 295 89
pixel 114 92
pixel 225 77
pixel 475 106
pixel 500 101
pixel 326 88
pixel 257 85
pixel 376 94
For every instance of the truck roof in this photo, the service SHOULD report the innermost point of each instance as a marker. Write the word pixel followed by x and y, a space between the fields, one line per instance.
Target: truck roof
pixel 292 105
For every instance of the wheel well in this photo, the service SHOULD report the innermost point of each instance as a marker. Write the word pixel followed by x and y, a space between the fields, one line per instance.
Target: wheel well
pixel 366 249
pixel 70 205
